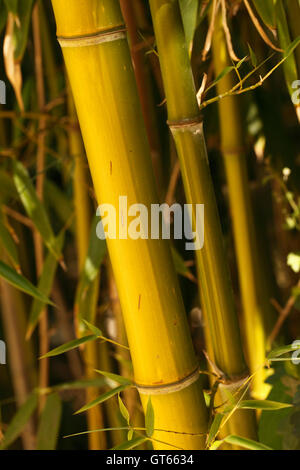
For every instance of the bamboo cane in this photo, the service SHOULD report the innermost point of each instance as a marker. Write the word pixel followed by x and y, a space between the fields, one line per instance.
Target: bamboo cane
pixel 109 113
pixel 186 127
pixel 255 304
pixel 293 15
pixel 38 243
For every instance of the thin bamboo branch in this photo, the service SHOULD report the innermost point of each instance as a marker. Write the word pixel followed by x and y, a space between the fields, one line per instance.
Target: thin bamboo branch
pixel 38 243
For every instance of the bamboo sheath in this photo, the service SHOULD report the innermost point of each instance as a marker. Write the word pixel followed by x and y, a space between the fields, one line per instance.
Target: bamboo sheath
pixel 186 127
pixel 109 113
pixel 255 304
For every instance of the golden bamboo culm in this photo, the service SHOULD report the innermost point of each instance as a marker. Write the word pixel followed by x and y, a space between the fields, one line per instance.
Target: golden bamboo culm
pixel 96 53
pixel 222 328
pixel 256 305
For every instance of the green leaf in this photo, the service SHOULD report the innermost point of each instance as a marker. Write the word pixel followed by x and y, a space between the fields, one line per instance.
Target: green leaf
pixel 96 331
pixel 265 9
pixel 44 285
pixel 149 419
pixel 3 16
pixel 114 377
pixel 34 207
pixel 263 405
pixel 180 265
pixel 87 289
pixel 252 56
pixel 8 243
pixel 214 429
pixel 21 31
pixel 271 421
pixel 289 65
pixel 49 423
pixel 70 345
pixel 277 352
pixel 102 398
pixel 12 6
pixel 189 12
pixel 19 421
pixel 123 410
pixel 128 445
pixel 21 283
pixel 245 443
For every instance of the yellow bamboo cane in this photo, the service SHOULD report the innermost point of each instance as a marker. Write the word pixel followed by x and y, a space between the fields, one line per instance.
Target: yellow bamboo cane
pixel 187 129
pixel 91 33
pixel 254 301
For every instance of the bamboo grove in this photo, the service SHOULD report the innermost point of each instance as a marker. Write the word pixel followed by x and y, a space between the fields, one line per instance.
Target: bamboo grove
pixel 113 110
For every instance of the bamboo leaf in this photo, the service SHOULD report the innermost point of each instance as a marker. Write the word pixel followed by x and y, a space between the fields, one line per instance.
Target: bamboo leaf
pixel 102 398
pixel 21 283
pixel 70 345
pixel 19 421
pixel 263 405
pixel 12 5
pixel 149 419
pixel 214 429
pixel 180 265
pixel 277 352
pixel 87 289
pixel 8 243
pixel 3 16
pixel 21 32
pixel 252 56
pixel 123 410
pixel 128 445
pixel 265 10
pixel 34 207
pixel 289 65
pixel 245 443
pixel 189 12
pixel 49 423
pixel 96 331
pixel 44 285
pixel 114 377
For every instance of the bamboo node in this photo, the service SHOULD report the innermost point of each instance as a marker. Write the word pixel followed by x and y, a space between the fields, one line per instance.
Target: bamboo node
pixel 191 124
pixel 234 382
pixel 164 389
pixel 99 37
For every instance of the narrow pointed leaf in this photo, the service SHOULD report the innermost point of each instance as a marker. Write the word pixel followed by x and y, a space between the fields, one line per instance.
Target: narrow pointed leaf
pixel 44 285
pixel 123 410
pixel 19 421
pixel 115 378
pixel 34 207
pixel 128 445
pixel 20 282
pixel 263 405
pixel 102 398
pixel 245 443
pixel 70 345
pixel 149 419
pixel 49 423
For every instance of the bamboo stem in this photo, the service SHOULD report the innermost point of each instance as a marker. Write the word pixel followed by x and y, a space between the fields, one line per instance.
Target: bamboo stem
pixel 187 130
pixel 120 163
pixel 255 304
pixel 38 243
